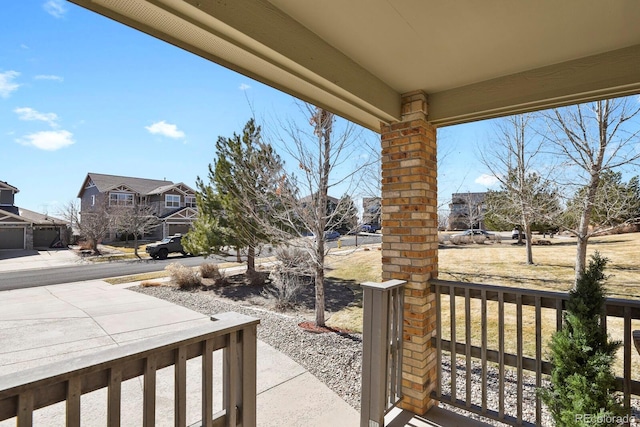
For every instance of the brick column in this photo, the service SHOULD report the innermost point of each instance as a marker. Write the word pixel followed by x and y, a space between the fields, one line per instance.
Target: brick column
pixel 410 240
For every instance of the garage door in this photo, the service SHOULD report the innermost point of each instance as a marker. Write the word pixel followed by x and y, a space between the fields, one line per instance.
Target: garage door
pixel 44 236
pixel 12 238
pixel 178 228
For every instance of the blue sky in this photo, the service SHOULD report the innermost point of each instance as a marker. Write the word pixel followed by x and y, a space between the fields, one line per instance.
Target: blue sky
pixel 81 93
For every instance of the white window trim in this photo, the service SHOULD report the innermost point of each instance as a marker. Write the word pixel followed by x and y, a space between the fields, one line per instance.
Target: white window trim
pixel 190 201
pixel 93 200
pixel 123 201
pixel 172 204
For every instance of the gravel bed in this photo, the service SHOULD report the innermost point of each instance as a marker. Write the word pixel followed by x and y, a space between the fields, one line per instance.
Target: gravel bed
pixel 336 359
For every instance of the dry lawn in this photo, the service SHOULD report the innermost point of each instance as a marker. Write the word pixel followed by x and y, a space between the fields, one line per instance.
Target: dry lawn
pixel 504 264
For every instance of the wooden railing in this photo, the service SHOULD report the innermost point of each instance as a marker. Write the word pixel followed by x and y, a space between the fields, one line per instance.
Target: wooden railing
pixel 383 310
pixel 22 393
pixel 542 312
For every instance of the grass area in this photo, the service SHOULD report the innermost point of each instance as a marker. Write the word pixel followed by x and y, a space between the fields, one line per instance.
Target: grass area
pixel 504 264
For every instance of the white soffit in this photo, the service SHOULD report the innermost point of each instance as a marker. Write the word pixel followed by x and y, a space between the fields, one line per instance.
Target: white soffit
pixel 474 59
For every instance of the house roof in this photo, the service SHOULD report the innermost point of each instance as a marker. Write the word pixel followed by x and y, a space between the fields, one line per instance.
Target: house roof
pixel 5 185
pixel 166 188
pixel 32 217
pixel 474 59
pixel 141 186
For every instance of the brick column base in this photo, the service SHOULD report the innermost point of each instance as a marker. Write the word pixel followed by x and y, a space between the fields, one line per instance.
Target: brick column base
pixel 410 240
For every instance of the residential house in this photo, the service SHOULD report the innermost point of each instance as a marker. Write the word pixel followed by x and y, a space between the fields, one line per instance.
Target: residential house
pixel 24 229
pixel 371 210
pixel 174 204
pixel 467 210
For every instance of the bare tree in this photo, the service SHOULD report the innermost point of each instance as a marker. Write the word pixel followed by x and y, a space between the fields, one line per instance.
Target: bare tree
pixel 137 220
pixel 516 158
pixel 327 155
pixel 93 225
pixel 592 139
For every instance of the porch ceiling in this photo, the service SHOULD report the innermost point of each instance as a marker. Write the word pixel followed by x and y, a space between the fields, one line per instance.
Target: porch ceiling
pixel 474 59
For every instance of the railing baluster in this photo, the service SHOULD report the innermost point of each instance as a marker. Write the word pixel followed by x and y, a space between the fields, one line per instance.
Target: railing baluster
pixel 25 409
pixel 559 317
pixel 248 367
pixel 538 359
pixel 483 351
pixel 467 350
pixel 149 393
pixel 207 383
pixel 230 393
pixel 390 350
pixel 74 392
pixel 627 357
pixel 501 355
pixel 519 327
pixel 180 387
pixel 114 397
pixel 399 345
pixel 452 346
pixel 439 340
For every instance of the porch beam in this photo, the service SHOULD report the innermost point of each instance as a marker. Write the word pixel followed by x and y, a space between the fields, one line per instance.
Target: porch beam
pixel 607 75
pixel 410 241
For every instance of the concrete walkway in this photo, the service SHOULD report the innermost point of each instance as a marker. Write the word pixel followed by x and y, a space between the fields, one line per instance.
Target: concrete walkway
pixel 16 260
pixel 46 324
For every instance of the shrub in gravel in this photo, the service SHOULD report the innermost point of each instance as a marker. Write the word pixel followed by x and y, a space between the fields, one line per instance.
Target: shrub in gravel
pixel 255 278
pixel 288 277
pixel 582 355
pixel 184 277
pixel 209 270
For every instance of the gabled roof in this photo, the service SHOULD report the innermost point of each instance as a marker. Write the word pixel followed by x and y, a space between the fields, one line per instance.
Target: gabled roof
pixel 27 216
pixel 181 187
pixel 6 186
pixel 105 183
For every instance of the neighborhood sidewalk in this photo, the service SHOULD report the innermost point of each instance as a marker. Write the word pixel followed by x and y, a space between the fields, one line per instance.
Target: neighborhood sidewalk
pixel 15 260
pixel 46 324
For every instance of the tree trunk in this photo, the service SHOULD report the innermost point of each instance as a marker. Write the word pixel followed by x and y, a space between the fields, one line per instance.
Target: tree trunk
pixel 135 245
pixel 251 259
pixel 238 256
pixel 528 243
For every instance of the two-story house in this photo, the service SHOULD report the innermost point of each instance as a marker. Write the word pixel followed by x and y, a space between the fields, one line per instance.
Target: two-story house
pixel 174 204
pixel 24 229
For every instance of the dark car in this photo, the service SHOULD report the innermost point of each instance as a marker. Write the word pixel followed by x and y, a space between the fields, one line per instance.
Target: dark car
pixel 166 246
pixel 331 235
pixel 369 228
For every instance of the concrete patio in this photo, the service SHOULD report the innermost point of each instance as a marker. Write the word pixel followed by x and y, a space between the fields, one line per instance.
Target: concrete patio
pixel 47 324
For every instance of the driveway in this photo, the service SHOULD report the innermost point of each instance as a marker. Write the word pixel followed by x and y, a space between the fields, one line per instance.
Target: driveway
pixel 15 260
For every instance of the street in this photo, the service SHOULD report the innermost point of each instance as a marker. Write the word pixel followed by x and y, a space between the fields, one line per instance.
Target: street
pixel 101 270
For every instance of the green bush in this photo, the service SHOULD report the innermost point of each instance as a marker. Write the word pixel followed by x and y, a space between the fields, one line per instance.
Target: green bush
pixel 581 392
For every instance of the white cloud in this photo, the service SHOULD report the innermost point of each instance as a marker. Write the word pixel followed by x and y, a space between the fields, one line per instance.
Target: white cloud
pixel 24 46
pixel 51 140
pixel 486 180
pixel 49 77
pixel 165 129
pixel 29 114
pixel 7 84
pixel 244 86
pixel 55 8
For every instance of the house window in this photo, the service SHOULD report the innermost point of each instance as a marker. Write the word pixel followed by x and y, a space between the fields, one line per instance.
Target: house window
pixel 93 200
pixel 121 199
pixel 190 201
pixel 172 201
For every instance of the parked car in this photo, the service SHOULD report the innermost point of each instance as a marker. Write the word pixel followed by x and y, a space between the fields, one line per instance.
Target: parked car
pixel 370 228
pixel 478 236
pixel 166 246
pixel 331 235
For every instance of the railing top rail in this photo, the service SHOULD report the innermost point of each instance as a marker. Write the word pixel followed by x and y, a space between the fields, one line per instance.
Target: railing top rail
pixel 388 285
pixel 615 306
pixel 222 324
